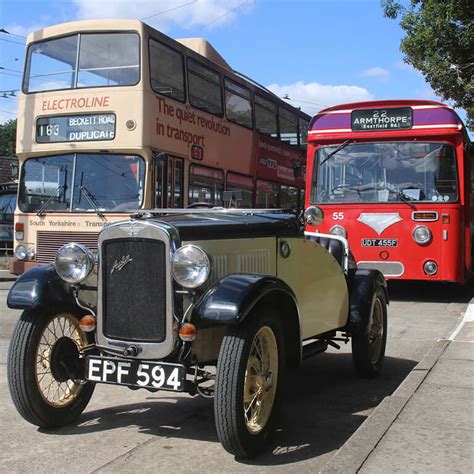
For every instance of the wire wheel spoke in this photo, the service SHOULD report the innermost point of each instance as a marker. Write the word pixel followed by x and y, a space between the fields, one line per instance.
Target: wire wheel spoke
pixel 57 391
pixel 260 380
pixel 375 335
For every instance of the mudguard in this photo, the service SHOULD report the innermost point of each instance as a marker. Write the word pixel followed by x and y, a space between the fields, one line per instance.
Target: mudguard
pixel 39 286
pixel 234 296
pixel 363 283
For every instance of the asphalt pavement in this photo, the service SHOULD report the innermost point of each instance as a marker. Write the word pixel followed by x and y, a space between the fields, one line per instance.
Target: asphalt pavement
pixel 416 417
pixel 426 425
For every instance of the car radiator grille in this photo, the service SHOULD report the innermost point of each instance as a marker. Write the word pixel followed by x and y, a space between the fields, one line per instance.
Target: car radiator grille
pixel 48 243
pixel 134 289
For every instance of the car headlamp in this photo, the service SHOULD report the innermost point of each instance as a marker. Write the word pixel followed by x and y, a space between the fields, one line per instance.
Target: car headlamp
pixel 74 262
pixel 190 266
pixel 338 230
pixel 422 234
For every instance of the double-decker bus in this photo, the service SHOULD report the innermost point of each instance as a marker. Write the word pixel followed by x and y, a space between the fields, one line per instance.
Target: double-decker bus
pixel 394 177
pixel 114 116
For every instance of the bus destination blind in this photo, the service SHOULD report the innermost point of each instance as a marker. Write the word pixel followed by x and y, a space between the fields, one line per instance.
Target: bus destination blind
pixel 396 118
pixel 75 128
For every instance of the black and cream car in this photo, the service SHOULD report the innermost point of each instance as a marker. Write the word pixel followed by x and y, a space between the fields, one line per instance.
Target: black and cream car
pixel 209 302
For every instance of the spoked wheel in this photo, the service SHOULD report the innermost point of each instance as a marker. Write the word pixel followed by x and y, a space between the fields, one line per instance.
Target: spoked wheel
pixel 368 348
pixel 45 368
pixel 248 379
pixel 261 380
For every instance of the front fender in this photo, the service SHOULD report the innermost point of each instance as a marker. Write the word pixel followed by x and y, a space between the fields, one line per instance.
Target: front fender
pixel 39 286
pixel 363 283
pixel 234 296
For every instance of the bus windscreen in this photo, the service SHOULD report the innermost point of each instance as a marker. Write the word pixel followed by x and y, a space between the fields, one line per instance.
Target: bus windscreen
pixel 82 182
pixel 385 172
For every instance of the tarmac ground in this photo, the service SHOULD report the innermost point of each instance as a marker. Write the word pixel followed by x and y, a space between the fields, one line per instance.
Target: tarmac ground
pixel 416 417
pixel 426 425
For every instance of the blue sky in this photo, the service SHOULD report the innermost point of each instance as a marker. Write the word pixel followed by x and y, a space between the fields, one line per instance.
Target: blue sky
pixel 318 52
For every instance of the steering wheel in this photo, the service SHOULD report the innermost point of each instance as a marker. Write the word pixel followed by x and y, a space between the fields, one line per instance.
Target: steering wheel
pixel 197 205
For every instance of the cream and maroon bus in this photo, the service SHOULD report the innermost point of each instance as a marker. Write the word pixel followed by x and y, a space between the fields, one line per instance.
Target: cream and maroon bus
pixel 114 116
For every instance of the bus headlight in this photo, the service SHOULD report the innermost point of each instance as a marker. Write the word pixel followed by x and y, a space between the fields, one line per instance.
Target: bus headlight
pixel 338 230
pixel 31 252
pixel 422 234
pixel 74 262
pixel 190 266
pixel 20 252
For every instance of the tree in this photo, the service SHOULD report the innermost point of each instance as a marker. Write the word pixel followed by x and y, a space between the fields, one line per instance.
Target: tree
pixel 439 42
pixel 8 138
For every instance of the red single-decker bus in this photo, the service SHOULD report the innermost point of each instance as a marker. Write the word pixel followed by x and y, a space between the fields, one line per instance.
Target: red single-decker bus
pixel 394 177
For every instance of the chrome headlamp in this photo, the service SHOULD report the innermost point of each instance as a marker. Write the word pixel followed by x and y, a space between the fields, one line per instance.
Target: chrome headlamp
pixel 74 262
pixel 190 266
pixel 20 252
pixel 338 230
pixel 422 235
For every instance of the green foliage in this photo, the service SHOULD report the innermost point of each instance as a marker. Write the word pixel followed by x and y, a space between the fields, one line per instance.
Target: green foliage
pixel 439 42
pixel 8 138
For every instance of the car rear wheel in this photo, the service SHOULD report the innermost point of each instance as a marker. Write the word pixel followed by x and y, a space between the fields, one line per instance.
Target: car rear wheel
pixel 249 372
pixel 368 348
pixel 45 368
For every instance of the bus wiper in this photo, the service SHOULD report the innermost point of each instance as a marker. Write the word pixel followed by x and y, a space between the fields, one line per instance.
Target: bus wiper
pixel 338 149
pixel 92 201
pixel 40 211
pixel 404 198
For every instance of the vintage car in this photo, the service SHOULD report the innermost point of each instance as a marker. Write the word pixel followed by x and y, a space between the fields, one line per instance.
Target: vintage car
pixel 210 302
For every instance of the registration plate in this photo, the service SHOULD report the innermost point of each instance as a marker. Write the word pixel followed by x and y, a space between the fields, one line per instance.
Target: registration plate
pixel 379 242
pixel 136 373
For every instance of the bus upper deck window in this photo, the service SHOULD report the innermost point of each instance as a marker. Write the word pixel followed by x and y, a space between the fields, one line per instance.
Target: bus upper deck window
pixel 51 65
pixel 83 60
pixel 167 71
pixel 288 126
pixel 266 116
pixel 108 60
pixel 204 88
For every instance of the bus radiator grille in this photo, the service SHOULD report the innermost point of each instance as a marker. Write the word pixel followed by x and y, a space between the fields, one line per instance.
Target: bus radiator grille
pixel 48 243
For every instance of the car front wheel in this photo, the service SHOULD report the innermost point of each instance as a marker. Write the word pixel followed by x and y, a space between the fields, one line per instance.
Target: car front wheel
pixel 249 372
pixel 45 368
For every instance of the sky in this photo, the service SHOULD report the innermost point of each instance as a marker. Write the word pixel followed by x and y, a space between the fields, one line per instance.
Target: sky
pixel 316 52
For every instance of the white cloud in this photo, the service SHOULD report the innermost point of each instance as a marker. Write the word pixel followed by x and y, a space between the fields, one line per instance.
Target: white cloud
pixel 184 13
pixel 314 96
pixel 377 72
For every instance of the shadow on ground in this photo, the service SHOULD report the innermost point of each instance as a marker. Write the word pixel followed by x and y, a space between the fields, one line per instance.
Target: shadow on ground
pixel 435 292
pixel 323 403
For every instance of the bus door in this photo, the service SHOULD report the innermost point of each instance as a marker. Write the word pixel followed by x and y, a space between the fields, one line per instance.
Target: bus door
pixel 169 173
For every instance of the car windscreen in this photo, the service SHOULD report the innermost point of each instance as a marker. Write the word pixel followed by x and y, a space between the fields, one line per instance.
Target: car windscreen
pixel 83 60
pixel 82 182
pixel 385 172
